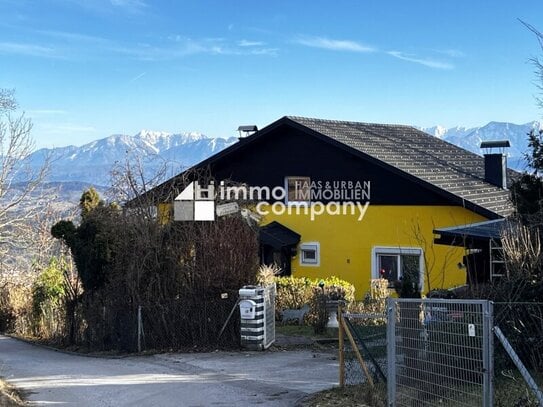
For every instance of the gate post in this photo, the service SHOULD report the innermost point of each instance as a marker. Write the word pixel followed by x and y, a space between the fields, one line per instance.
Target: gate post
pixel 488 353
pixel 391 351
pixel 341 347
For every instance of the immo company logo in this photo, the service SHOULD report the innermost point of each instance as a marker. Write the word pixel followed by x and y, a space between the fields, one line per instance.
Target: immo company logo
pixel 196 203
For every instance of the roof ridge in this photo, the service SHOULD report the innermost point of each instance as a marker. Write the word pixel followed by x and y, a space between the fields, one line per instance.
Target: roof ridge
pixel 296 118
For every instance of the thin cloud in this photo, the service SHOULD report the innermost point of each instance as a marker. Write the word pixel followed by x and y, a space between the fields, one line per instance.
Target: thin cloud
pixel 130 6
pixel 68 36
pixel 264 51
pixel 333 44
pixel 430 63
pixel 135 78
pixel 107 7
pixel 33 50
pixel 128 3
pixel 246 43
pixel 69 46
pixel 354 46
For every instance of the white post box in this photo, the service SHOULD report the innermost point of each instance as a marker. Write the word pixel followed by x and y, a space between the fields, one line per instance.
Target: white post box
pixel 247 309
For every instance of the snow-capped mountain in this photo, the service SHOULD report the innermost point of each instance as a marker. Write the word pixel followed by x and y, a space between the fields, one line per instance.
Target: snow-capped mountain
pixel 470 138
pixel 444 133
pixel 93 162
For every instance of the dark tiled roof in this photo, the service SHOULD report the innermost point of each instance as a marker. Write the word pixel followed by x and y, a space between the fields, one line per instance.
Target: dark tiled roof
pixel 420 155
pixel 278 236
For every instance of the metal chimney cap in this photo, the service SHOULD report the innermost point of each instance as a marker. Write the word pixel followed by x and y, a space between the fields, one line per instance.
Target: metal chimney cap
pixel 248 128
pixel 495 144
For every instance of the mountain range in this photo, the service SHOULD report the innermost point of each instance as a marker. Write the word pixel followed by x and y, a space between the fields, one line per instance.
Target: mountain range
pixel 92 163
pixel 470 138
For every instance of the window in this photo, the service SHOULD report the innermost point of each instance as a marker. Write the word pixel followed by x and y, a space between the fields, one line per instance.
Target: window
pixel 396 263
pixel 310 254
pixel 298 189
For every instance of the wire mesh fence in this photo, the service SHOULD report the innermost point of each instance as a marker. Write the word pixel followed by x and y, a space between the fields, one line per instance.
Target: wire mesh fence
pixel 447 352
pixel 198 322
pixel 519 329
pixel 182 324
pixel 439 352
pixel 369 334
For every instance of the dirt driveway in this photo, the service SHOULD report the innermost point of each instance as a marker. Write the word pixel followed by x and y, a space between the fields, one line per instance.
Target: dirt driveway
pixel 270 378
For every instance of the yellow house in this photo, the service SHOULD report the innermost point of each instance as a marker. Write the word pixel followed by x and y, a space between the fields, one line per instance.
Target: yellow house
pixel 359 201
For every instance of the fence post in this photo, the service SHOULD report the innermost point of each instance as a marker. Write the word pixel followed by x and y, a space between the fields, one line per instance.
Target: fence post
pixel 140 328
pixel 341 347
pixel 488 354
pixel 391 352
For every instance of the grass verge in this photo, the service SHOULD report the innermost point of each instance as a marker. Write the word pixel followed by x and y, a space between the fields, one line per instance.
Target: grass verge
pixel 304 330
pixel 362 395
pixel 510 389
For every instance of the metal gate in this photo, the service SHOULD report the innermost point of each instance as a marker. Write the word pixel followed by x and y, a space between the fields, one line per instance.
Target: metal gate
pixel 439 352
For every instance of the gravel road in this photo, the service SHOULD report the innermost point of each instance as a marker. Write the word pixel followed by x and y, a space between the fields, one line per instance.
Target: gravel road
pixel 270 378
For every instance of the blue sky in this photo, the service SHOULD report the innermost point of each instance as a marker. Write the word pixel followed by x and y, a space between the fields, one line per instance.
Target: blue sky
pixel 87 69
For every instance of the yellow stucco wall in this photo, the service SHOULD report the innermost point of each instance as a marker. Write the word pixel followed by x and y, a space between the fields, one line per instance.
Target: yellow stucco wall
pixel 164 212
pixel 346 244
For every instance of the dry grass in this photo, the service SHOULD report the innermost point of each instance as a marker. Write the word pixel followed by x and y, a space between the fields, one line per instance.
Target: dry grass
pixel 10 397
pixel 304 330
pixel 350 396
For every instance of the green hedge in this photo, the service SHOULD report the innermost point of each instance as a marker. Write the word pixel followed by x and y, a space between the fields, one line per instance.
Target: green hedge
pixel 295 292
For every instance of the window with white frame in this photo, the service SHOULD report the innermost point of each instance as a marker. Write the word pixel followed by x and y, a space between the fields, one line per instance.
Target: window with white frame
pixel 298 189
pixel 310 254
pixel 394 263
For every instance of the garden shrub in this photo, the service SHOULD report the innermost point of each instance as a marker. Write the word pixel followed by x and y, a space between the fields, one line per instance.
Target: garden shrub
pixel 374 302
pixel 48 287
pixel 295 292
pixel 266 274
pixel 47 296
pixel 317 316
pixel 339 289
pixel 15 303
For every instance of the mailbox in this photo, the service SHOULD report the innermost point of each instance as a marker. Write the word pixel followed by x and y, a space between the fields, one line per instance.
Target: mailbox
pixel 257 311
pixel 247 309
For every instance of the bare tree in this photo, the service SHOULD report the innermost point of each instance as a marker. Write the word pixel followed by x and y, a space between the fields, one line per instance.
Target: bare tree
pixel 434 271
pixel 129 179
pixel 538 63
pixel 7 100
pixel 523 258
pixel 19 182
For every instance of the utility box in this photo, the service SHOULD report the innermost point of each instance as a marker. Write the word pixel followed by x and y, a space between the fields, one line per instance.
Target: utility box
pixel 257 311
